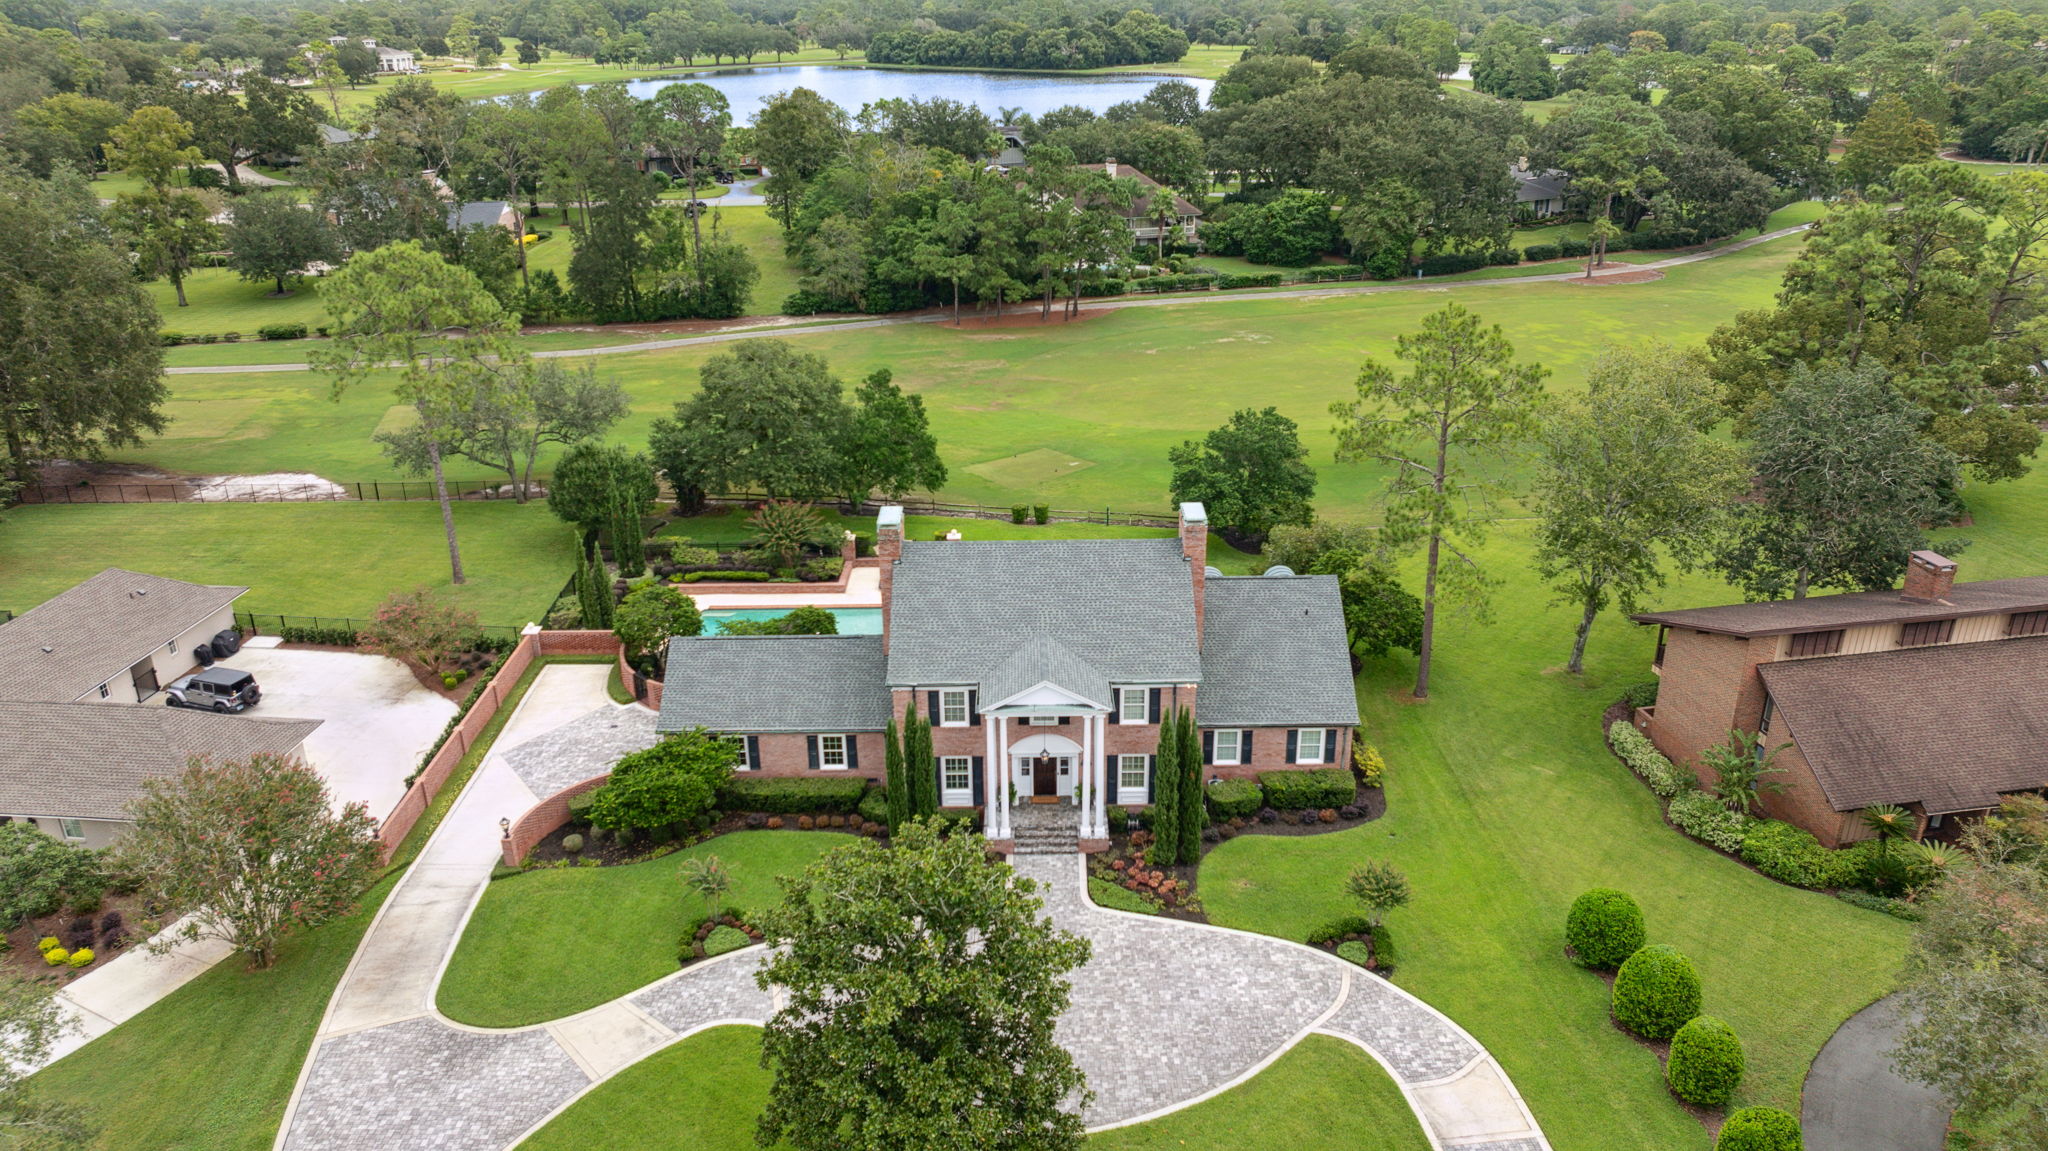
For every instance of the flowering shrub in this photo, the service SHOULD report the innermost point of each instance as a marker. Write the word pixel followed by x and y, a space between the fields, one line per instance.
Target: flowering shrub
pixel 1642 757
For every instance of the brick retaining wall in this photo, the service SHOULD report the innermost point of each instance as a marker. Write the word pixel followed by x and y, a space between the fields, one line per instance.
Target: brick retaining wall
pixel 543 818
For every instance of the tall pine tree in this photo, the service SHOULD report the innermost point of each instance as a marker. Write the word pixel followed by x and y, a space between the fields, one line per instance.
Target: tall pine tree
pixel 897 787
pixel 1191 791
pixel 1166 780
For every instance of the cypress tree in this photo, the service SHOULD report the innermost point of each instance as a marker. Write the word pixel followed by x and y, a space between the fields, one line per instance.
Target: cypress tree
pixel 1166 810
pixel 586 592
pixel 1191 790
pixel 600 591
pixel 898 788
pixel 629 543
pixel 917 762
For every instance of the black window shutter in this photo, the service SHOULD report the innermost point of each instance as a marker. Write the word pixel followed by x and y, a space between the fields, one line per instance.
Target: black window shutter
pixel 852 752
pixel 1244 746
pixel 1292 735
pixel 1151 772
pixel 1330 745
pixel 980 784
pixel 973 708
pixel 1208 747
pixel 932 699
pixel 1152 708
pixel 811 742
pixel 1116 705
pixel 753 753
pixel 1065 720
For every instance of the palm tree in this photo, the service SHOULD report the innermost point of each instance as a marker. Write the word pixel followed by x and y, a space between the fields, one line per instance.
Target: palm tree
pixel 1739 768
pixel 1888 821
pixel 1162 214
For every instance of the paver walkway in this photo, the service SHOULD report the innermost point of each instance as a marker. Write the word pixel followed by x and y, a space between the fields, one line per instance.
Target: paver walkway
pixel 1854 1101
pixel 753 326
pixel 387 1070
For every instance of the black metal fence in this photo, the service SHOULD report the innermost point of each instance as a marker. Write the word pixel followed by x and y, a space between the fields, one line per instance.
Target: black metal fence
pixel 341 631
pixel 300 491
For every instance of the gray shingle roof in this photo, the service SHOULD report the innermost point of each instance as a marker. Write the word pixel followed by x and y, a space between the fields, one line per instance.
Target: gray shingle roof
pixel 1276 653
pixel 787 683
pixel 97 630
pixel 1949 727
pixel 959 608
pixel 87 760
pixel 1825 612
pixel 1042 659
pixel 475 212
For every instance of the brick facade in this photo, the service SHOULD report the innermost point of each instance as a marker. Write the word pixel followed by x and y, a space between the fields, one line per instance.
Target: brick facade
pixel 1709 687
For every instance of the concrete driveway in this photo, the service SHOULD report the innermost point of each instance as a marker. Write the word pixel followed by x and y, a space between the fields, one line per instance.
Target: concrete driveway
pixel 377 720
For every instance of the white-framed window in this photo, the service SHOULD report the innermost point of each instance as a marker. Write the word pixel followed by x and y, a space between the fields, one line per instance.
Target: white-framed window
pixel 72 828
pixel 832 752
pixel 1134 705
pixel 953 708
pixel 739 744
pixel 1131 776
pixel 1045 721
pixel 1226 746
pixel 956 780
pixel 1308 745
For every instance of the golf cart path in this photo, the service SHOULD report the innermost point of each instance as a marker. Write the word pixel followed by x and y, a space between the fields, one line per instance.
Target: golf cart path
pixel 1211 1007
pixel 757 326
pixel 1854 1101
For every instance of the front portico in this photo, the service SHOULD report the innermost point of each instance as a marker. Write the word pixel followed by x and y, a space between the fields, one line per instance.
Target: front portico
pixel 1045 744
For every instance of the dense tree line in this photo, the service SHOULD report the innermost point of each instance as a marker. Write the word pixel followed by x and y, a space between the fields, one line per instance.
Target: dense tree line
pixel 1137 38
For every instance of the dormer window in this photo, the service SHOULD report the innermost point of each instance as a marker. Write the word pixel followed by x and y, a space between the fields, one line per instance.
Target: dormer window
pixel 1923 634
pixel 1808 643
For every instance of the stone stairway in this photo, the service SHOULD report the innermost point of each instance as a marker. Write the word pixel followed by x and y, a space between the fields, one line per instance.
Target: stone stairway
pixel 1046 828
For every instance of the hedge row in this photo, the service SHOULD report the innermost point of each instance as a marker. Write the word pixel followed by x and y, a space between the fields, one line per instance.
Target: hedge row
pixel 1235 799
pixel 1642 757
pixel 793 795
pixel 727 576
pixel 1317 788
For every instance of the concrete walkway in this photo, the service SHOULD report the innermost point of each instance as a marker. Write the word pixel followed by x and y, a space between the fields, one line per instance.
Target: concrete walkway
pixel 118 990
pixel 1206 1006
pixel 753 327
pixel 1854 1101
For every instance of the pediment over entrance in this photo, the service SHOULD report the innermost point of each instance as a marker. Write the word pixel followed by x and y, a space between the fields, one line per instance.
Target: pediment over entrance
pixel 1047 744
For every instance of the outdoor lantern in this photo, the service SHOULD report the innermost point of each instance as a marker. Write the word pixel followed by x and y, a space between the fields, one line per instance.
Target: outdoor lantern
pixel 505 826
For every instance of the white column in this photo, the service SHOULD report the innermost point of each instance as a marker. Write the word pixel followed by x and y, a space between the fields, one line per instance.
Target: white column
pixel 1001 799
pixel 1084 775
pixel 989 775
pixel 1096 764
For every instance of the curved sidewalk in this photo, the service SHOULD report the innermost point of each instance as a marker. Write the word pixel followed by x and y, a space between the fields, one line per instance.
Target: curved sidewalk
pixel 1165 1014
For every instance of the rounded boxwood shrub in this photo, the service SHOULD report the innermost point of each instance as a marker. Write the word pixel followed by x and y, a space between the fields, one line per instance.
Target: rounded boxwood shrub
pixel 1706 1062
pixel 724 938
pixel 1656 992
pixel 572 844
pixel 1760 1129
pixel 1604 928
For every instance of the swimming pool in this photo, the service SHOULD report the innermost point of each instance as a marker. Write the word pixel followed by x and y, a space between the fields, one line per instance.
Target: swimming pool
pixel 852 620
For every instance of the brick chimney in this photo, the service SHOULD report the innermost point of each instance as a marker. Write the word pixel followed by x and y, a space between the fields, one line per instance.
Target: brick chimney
pixel 888 549
pixel 1194 545
pixel 1929 576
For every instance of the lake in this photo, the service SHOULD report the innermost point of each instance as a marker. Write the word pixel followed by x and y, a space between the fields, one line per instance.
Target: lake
pixel 851 87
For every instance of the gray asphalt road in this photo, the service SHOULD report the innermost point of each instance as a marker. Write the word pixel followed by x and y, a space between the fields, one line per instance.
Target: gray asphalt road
pixel 1854 1101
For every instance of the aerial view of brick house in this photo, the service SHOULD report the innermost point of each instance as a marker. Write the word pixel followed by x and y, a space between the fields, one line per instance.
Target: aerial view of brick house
pixel 1044 668
pixel 1929 698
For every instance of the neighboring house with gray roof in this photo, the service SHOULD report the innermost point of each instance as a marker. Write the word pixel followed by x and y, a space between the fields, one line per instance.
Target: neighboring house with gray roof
pixel 1540 195
pixel 1927 698
pixel 1045 669
pixel 478 213
pixel 81 723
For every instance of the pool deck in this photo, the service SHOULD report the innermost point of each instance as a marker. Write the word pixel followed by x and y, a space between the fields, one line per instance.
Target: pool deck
pixel 863 589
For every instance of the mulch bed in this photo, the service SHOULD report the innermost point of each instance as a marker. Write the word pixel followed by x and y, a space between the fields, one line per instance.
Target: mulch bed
pixel 1370 800
pixel 606 852
pixel 23 959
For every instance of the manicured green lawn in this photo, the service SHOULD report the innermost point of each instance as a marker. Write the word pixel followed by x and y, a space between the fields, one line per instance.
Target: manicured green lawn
pixel 1504 805
pixel 211 1067
pixel 750 224
pixel 1108 395
pixel 703 1094
pixel 337 559
pixel 549 943
pixel 219 301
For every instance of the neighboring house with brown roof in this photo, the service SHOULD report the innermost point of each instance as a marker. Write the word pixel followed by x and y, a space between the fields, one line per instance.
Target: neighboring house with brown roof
pixel 1928 697
pixel 1145 226
pixel 80 722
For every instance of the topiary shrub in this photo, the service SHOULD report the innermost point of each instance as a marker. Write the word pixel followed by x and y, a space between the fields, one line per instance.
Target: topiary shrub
pixel 1656 992
pixel 1308 788
pixel 1760 1129
pixel 1355 952
pixel 724 938
pixel 1233 798
pixel 1604 928
pixel 1019 513
pixel 1706 1062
